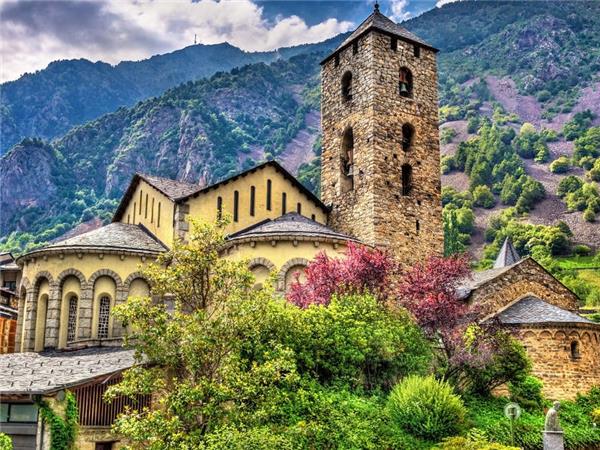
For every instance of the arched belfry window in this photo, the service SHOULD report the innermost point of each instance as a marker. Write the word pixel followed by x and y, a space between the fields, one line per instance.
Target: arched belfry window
pixel 347 159
pixel 347 86
pixel 575 350
pixel 408 134
pixel 405 82
pixel 72 319
pixel 103 317
pixel 406 179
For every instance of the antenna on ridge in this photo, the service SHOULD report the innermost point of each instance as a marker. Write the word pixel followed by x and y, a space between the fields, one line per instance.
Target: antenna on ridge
pixel 195 39
pixel 376 6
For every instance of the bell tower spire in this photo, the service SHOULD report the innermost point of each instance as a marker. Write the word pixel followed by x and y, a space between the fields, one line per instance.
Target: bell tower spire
pixel 380 169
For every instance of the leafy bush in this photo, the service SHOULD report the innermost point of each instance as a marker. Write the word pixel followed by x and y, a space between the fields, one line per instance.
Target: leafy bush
pixel 588 144
pixel 560 165
pixel 5 442
pixel 483 197
pixel 426 407
pixel 569 184
pixel 527 392
pixel 577 125
pixel 582 250
pixel 474 440
pixel 447 134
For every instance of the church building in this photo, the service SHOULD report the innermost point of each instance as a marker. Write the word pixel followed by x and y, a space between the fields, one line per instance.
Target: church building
pixel 380 180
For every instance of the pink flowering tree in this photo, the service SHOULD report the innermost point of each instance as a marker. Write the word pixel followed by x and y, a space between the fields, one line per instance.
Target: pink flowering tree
pixel 363 269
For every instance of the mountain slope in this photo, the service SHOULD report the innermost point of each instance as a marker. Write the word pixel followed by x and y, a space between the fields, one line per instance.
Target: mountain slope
pixel 49 102
pixel 202 131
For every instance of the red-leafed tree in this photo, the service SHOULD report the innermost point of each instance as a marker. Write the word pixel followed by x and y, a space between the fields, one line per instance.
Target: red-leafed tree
pixel 363 269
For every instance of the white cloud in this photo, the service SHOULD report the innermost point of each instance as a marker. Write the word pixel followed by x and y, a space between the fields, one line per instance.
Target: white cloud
pixel 441 3
pixel 35 33
pixel 399 12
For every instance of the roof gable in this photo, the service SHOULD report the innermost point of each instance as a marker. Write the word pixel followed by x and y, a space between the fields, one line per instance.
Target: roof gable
pixel 533 310
pixel 507 256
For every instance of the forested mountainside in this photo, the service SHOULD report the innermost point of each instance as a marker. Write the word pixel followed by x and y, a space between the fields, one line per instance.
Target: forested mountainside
pixel 513 75
pixel 48 103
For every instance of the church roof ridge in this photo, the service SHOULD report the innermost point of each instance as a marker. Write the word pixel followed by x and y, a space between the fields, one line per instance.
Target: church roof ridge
pixel 533 310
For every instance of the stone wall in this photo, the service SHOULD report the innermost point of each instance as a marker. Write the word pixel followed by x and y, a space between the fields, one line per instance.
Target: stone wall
pixel 563 374
pixel 375 209
pixel 526 278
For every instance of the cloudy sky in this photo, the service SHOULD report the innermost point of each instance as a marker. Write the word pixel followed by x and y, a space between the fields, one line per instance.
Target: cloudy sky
pixel 34 33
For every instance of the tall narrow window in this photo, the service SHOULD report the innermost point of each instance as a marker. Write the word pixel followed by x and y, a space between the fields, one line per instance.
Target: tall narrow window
pixel 575 350
pixel 408 134
pixel 141 198
pixel 103 317
pixel 355 47
pixel 337 60
pixel 146 208
pixel 236 204
pixel 313 217
pixel 347 86
pixel 406 179
pixel 72 320
pixel 417 226
pixel 299 208
pixel 405 82
pixel 252 199
pixel 134 210
pixel 394 44
pixel 268 195
pixel 417 51
pixel 152 211
pixel 219 207
pixel 347 160
pixel 127 218
pixel 158 216
pixel 283 203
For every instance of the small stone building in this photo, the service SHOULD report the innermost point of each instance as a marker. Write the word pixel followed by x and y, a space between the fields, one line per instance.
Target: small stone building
pixel 541 312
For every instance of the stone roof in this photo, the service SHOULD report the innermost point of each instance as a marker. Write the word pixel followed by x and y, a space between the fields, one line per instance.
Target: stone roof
pixel 507 256
pixel 532 310
pixel 171 188
pixel 115 235
pixel 477 279
pixel 378 21
pixel 42 373
pixel 289 225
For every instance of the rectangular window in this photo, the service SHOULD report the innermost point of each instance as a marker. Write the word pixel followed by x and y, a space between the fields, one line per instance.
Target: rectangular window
pixel 158 216
pixel 219 207
pixel 146 208
pixel 18 412
pixel 134 210
pixel 355 47
pixel 417 51
pixel 283 202
pixel 236 201
pixel 127 218
pixel 152 212
pixel 337 59
pixel 140 211
pixel 418 226
pixel 394 44
pixel 299 208
pixel 313 217
pixel 252 199
pixel 268 195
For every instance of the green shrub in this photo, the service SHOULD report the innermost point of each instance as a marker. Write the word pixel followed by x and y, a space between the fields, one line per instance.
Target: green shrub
pixel 482 196
pixel 569 184
pixel 560 165
pixel 582 250
pixel 596 416
pixel 5 442
pixel 475 440
pixel 589 215
pixel 527 392
pixel 426 407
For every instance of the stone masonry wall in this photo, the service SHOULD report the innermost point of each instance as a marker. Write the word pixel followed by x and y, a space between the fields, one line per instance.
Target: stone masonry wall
pixel 526 278
pixel 549 349
pixel 375 211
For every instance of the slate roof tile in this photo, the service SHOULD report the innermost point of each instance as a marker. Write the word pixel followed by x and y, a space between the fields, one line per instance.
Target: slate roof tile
pixel 532 310
pixel 41 373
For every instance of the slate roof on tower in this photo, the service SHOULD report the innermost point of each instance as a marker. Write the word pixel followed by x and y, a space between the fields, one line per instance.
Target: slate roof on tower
pixel 377 21
pixel 508 255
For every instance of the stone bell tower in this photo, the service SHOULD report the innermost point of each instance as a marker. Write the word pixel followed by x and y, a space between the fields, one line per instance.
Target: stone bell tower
pixel 381 158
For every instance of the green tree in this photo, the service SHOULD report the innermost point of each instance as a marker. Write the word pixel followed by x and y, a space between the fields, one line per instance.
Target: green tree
pixel 483 197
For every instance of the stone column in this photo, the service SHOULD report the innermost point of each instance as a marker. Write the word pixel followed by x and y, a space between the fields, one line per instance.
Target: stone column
pixel 53 317
pixel 554 440
pixel 120 298
pixel 20 316
pixel 30 317
pixel 86 303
